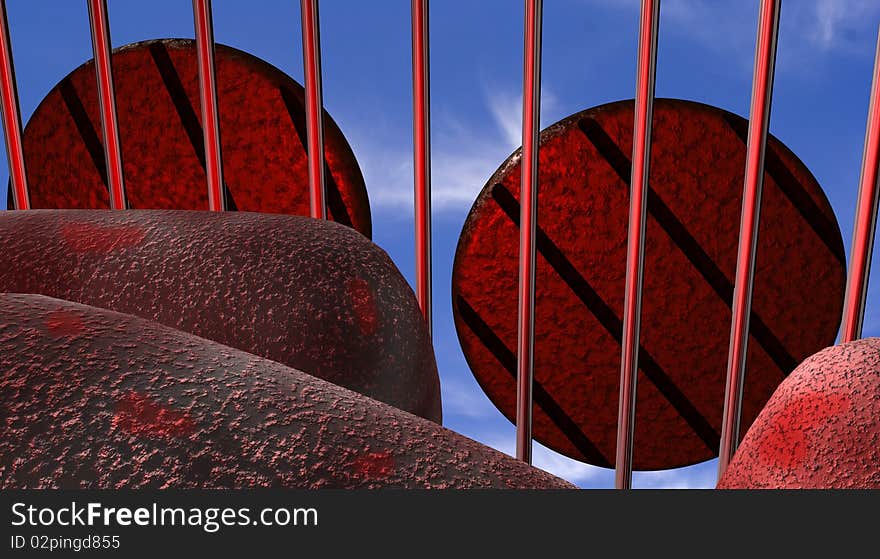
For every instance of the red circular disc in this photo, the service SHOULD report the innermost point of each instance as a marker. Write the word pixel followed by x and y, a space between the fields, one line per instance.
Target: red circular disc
pixel 262 131
pixel 696 179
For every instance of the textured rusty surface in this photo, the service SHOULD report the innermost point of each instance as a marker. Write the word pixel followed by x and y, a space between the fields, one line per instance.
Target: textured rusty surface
pixel 311 294
pixel 98 399
pixel 698 157
pixel 820 429
pixel 262 131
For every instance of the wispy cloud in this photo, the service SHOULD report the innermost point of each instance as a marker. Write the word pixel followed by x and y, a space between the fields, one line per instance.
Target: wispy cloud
pixel 462 159
pixel 831 15
pixel 457 176
pixel 506 111
pixel 837 22
pixel 820 26
pixel 553 462
pixel 465 399
pixel 505 107
pixel 699 476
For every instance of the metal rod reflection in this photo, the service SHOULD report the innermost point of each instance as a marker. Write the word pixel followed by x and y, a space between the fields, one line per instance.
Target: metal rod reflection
pixel 865 223
pixel 528 223
pixel 635 255
pixel 759 121
pixel 100 27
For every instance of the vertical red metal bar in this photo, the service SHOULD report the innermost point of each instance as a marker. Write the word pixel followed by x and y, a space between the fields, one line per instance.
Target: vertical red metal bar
pixel 865 220
pixel 635 254
pixel 528 222
pixel 759 121
pixel 422 154
pixel 204 25
pixel 12 117
pixel 107 99
pixel 314 106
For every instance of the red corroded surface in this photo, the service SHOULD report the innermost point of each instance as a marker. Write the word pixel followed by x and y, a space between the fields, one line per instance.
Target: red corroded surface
pixel 820 429
pixel 129 403
pixel 262 132
pixel 311 294
pixel 137 414
pixel 698 157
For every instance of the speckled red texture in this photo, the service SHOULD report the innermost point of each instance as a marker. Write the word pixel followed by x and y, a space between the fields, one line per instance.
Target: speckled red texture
pixel 820 429
pixel 698 157
pixel 128 403
pixel 262 130
pixel 311 294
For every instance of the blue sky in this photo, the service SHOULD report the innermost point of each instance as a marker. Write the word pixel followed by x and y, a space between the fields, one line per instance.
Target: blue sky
pixel 826 50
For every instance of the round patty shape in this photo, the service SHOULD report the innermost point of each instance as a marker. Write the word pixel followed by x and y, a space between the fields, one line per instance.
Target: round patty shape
pixel 308 293
pixel 821 428
pixel 694 202
pixel 262 133
pixel 98 399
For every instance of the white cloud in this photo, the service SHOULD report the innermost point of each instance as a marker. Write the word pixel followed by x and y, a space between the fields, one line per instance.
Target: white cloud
pixel 724 26
pixel 553 462
pixel 835 21
pixel 457 176
pixel 506 110
pixel 830 14
pixel 462 157
pixel 823 25
pixel 465 400
pixel 699 476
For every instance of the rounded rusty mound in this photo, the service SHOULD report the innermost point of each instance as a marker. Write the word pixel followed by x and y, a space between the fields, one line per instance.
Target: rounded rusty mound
pixel 308 293
pixel 262 133
pixel 97 399
pixel 820 429
pixel 698 158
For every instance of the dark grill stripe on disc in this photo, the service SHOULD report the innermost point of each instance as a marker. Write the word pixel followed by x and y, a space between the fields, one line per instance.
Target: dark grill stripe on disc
pixel 542 398
pixel 794 191
pixel 694 200
pixel 188 117
pixel 163 147
pixel 84 126
pixel 334 198
pixel 686 242
pixel 610 321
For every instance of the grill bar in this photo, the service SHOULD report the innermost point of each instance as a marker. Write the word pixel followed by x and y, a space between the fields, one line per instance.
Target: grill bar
pixel 314 107
pixel 759 121
pixel 635 254
pixel 865 220
pixel 208 98
pixel 422 154
pixel 100 28
pixel 528 221
pixel 12 117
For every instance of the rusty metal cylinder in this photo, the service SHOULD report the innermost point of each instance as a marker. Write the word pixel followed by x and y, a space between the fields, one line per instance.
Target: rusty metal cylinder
pixel 313 295
pixel 92 398
pixel 820 429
